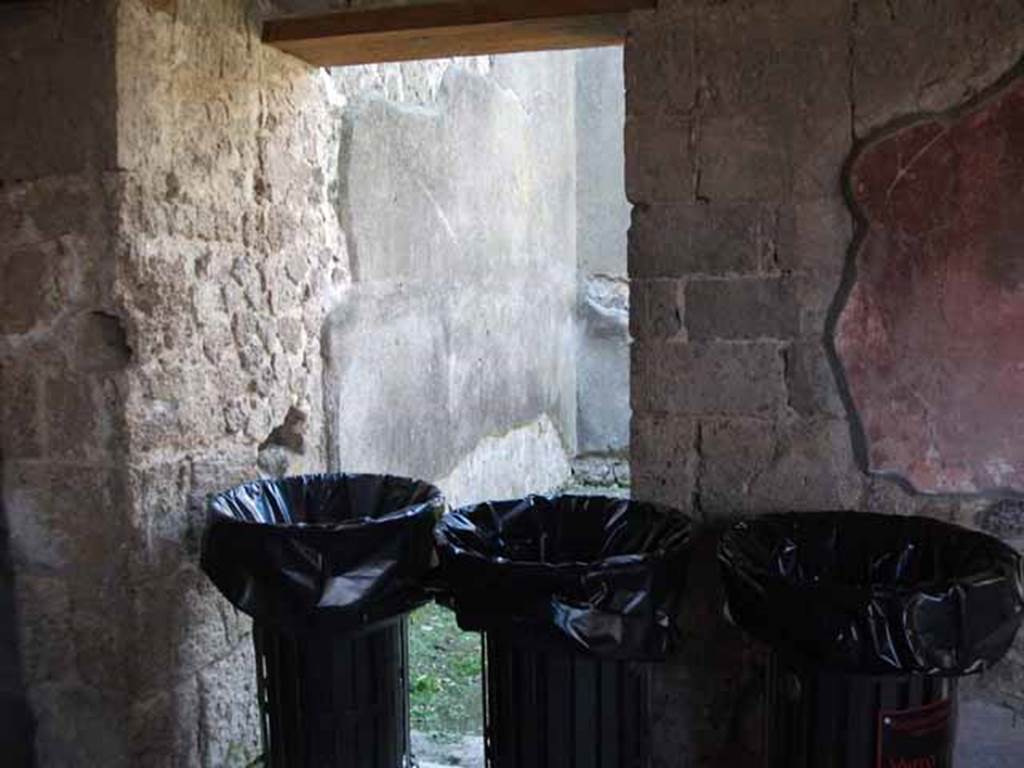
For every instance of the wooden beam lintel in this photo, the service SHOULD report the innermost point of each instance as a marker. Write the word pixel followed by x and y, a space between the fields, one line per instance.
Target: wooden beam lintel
pixel 463 28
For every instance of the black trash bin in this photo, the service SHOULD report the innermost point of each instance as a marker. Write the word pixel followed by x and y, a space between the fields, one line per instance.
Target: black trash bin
pixel 871 619
pixel 327 566
pixel 575 597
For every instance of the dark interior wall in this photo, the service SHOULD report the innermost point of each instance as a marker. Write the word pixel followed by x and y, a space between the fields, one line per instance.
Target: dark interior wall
pixel 167 252
pixel 740 119
pixel 57 82
pixel 57 439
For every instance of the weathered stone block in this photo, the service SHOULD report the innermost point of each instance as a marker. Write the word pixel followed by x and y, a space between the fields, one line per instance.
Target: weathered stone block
pixel 912 56
pixel 165 727
pixel 708 378
pixel 661 70
pixel 749 308
pixel 772 466
pixel 656 308
pixel 21 393
pixel 170 528
pixel 12 216
pixel 663 459
pixel 159 414
pixel 62 93
pixel 733 454
pixel 100 342
pixel 758 54
pixel 52 512
pixel 821 142
pixel 83 416
pixel 813 469
pixel 229 719
pixel 660 160
pixel 64 209
pixel 742 159
pixel 292 334
pixel 212 474
pixel 811 382
pixel 705 708
pixel 31 289
pixel 105 650
pixel 45 639
pixel 702 239
pixel 184 624
pixel 80 725
pixel 767 130
pixel 35 539
pixel 816 296
pixel 814 237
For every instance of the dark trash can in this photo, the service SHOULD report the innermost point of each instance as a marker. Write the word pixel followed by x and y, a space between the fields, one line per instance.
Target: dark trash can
pixel 871 620
pixel 576 596
pixel 327 566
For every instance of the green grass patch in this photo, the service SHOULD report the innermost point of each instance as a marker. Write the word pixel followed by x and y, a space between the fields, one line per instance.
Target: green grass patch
pixel 445 695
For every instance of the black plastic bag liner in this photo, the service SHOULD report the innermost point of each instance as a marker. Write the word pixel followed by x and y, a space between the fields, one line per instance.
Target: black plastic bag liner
pixel 345 550
pixel 603 575
pixel 874 594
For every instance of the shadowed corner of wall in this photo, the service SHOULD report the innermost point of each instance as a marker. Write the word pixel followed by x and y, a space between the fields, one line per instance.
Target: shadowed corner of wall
pixel 709 697
pixel 17 728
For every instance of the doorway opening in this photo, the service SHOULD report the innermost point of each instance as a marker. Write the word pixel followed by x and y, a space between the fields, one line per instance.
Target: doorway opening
pixel 483 343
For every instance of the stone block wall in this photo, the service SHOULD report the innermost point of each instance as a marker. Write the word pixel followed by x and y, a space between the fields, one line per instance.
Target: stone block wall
pixel 62 356
pixel 229 255
pixel 168 257
pixel 179 218
pixel 740 119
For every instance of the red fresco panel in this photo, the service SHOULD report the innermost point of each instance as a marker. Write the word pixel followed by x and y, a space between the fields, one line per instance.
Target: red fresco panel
pixel 931 337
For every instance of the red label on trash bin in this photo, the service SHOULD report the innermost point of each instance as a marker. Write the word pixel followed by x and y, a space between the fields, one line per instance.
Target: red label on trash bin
pixel 916 738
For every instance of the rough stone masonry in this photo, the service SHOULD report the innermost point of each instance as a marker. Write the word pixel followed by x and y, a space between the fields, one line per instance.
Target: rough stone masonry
pixel 170 253
pixel 740 119
pixel 173 197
